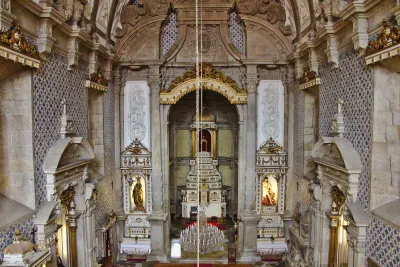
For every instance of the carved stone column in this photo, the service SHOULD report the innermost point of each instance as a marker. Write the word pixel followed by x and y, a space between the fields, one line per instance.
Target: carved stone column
pixel 158 216
pixel 118 127
pixel 249 217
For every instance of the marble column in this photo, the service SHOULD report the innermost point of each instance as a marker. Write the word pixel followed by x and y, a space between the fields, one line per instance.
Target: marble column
pixel 157 217
pixel 249 217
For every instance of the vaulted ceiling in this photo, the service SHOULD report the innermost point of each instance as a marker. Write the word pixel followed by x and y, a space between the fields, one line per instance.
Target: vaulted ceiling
pixel 107 13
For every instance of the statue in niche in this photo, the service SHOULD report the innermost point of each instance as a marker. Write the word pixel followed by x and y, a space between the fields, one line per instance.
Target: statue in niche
pixel 137 194
pixel 269 198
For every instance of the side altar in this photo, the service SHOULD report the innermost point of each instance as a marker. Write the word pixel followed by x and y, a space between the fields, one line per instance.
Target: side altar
pixel 203 174
pixel 271 174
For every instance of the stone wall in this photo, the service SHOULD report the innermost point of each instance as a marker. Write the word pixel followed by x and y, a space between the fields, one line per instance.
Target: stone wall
pixel 386 138
pixel 51 84
pixel 16 146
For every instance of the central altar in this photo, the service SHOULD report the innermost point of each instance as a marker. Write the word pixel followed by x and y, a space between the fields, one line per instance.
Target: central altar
pixel 204 177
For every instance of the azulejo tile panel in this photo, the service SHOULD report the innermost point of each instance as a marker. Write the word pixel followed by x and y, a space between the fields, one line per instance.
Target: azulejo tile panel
pixel 51 84
pixel 383 243
pixel 353 83
pixel 236 31
pixel 170 33
pixel 7 235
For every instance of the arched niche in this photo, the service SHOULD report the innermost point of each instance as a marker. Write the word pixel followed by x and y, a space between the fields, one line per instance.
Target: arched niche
pixel 338 163
pixel 66 163
pixel 336 214
pixel 67 167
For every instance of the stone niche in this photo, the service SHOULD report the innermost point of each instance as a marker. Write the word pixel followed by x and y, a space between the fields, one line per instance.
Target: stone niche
pixel 66 221
pixel 337 222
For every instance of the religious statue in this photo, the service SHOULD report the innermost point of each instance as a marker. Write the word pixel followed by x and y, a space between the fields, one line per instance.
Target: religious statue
pixel 137 194
pixel 269 199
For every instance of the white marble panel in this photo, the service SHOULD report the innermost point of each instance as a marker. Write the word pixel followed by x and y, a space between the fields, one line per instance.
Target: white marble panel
pixel 137 113
pixel 270 110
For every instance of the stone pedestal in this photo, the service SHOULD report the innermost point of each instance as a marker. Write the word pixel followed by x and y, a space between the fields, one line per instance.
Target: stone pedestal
pixel 158 234
pixel 249 254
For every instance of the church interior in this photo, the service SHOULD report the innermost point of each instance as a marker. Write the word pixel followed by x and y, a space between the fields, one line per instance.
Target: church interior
pixel 200 133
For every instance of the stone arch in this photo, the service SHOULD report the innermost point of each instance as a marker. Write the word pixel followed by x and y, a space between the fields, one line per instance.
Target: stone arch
pixel 65 155
pixel 211 84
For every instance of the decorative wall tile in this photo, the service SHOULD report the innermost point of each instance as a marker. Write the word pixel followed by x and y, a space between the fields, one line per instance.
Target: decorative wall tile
pixel 7 235
pixel 236 31
pixel 353 83
pixel 170 33
pixel 383 244
pixel 51 84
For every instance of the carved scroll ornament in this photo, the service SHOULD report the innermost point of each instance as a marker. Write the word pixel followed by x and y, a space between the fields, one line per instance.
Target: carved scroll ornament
pixel 389 36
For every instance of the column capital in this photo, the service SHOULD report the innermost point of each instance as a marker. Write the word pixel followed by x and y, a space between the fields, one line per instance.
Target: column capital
pixel 251 83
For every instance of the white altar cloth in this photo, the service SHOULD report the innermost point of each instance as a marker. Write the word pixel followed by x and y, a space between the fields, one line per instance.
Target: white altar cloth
pixel 269 248
pixel 142 247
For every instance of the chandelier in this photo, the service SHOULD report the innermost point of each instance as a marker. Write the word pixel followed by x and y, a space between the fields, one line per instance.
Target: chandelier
pixel 211 238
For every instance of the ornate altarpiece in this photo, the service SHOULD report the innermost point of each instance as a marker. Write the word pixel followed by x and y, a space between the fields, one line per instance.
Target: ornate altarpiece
pixel 271 168
pixel 136 169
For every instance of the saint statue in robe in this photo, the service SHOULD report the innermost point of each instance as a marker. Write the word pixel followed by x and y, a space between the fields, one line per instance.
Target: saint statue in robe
pixel 137 194
pixel 269 198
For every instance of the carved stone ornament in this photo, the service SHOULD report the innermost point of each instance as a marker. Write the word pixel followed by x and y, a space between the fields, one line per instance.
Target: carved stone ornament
pixel 132 14
pixel 67 125
pixel 14 39
pixel 98 77
pixel 72 10
pixel 212 79
pixel 271 155
pixel 308 76
pixel 309 79
pixel 273 11
pixel 389 36
pixel 97 81
pixel 67 196
pixel 337 124
pixel 338 199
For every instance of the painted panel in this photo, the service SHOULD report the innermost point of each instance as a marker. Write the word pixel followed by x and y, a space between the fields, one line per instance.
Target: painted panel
pixel 224 144
pixel 181 174
pixel 270 110
pixel 183 143
pixel 226 174
pixel 137 113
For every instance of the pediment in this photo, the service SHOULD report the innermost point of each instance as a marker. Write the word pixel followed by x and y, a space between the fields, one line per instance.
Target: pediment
pixel 136 148
pixel 67 153
pixel 338 153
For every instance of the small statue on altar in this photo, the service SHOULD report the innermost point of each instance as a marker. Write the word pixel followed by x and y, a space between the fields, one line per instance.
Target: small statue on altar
pixel 269 199
pixel 137 194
